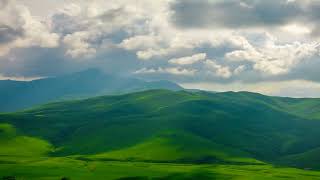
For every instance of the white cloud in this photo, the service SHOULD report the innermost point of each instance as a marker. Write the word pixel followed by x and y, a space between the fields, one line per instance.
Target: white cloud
pixel 151 53
pixel 239 69
pixel 275 59
pixel 19 29
pixel 78 45
pixel 169 70
pixel 141 42
pixel 218 70
pixel 296 29
pixel 19 78
pixel 188 59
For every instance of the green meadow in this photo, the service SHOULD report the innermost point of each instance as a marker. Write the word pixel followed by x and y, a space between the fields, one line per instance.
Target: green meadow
pixel 57 168
pixel 162 134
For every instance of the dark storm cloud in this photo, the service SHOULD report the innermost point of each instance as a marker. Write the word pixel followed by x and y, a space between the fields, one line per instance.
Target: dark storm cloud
pixel 235 13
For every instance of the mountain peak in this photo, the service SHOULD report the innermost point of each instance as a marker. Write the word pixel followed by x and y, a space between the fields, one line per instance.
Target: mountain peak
pixel 84 84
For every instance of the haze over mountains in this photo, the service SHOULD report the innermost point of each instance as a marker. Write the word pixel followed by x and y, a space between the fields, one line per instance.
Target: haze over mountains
pixel 17 95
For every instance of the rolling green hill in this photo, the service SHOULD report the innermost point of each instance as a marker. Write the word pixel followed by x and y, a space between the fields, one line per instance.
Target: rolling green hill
pixel 234 130
pixel 13 144
pixel 177 147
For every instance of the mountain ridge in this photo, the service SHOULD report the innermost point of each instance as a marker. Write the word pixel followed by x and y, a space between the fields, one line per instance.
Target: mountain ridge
pixel 18 95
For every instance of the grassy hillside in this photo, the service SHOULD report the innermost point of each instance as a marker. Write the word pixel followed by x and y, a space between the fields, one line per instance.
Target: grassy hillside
pixel 179 148
pixel 234 130
pixel 13 144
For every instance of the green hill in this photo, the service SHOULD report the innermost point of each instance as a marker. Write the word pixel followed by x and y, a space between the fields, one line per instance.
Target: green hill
pixel 161 126
pixel 13 144
pixel 177 147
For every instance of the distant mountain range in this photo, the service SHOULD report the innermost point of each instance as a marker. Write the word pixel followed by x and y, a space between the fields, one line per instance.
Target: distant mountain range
pixel 17 95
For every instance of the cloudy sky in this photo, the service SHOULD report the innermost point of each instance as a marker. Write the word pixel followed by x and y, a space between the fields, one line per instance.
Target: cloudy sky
pixel 267 46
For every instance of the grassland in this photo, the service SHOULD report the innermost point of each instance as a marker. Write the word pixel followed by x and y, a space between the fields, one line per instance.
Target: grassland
pixel 57 168
pixel 162 134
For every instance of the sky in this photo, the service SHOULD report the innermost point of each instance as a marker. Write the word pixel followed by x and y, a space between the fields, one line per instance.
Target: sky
pixel 271 47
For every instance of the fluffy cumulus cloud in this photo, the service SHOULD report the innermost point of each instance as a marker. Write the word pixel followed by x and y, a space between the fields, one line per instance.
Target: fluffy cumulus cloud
pixel 219 70
pixel 275 59
pixel 78 45
pixel 18 29
pixel 188 60
pixel 186 41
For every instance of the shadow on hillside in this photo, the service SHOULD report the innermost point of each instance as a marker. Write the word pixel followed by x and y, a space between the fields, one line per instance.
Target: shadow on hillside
pixel 196 175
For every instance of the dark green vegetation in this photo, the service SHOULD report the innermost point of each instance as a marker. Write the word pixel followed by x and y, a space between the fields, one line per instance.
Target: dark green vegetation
pixel 17 95
pixel 163 134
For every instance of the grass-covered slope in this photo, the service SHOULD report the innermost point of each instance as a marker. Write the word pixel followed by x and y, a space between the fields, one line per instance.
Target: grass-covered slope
pixel 177 147
pixel 13 144
pixel 178 127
